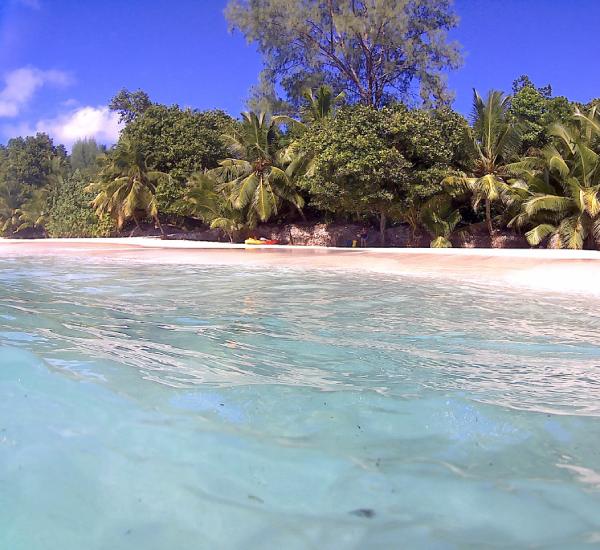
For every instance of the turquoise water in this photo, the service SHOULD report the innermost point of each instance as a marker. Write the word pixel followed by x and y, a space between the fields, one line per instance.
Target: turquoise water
pixel 165 407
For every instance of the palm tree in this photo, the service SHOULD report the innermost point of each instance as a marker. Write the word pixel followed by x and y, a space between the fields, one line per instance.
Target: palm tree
pixel 321 104
pixel 34 211
pixel 440 219
pixel 10 200
pixel 254 179
pixel 495 141
pixel 561 199
pixel 202 199
pixel 205 199
pixel 127 187
pixel 232 222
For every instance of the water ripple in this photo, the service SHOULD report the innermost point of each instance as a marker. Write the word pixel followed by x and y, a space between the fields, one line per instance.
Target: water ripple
pixel 227 327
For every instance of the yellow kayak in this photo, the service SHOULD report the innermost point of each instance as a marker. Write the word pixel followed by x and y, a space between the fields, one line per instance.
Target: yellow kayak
pixel 258 241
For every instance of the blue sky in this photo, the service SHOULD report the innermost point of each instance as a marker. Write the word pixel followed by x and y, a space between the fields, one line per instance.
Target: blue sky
pixel 62 60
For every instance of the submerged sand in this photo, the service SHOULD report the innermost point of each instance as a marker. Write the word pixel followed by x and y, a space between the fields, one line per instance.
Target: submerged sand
pixel 545 270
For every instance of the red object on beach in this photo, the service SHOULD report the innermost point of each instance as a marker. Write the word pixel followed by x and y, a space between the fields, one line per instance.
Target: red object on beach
pixel 254 241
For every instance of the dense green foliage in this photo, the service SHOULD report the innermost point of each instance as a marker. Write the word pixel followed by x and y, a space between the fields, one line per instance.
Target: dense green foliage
pixel 356 169
pixel 85 154
pixel 561 195
pixel 70 214
pixel 350 148
pixel 28 167
pixel 178 142
pixel 369 162
pixel 28 159
pixel 130 105
pixel 435 143
pixel 126 187
pixel 346 161
pixel 534 110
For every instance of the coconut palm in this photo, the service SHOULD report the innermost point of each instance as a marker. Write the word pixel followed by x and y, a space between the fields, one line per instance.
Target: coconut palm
pixel 10 200
pixel 495 142
pixel 561 200
pixel 232 222
pixel 202 198
pixel 320 104
pixel 439 219
pixel 254 179
pixel 127 187
pixel 34 211
pixel 205 199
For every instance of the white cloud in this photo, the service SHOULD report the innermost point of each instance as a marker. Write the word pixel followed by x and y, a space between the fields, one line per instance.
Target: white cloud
pixel 85 122
pixel 21 84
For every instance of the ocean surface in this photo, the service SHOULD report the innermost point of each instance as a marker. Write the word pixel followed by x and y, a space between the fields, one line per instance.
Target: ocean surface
pixel 183 407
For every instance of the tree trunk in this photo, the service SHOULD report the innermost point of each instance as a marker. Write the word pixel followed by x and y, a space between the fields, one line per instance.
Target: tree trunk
pixel 159 225
pixel 488 217
pixel 413 234
pixel 382 222
pixel 301 213
pixel 137 225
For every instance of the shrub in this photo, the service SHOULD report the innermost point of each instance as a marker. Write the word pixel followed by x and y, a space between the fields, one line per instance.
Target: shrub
pixel 70 213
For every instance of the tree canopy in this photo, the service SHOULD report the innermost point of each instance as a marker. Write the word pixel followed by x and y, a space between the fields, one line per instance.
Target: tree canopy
pixel 374 50
pixel 534 110
pixel 180 141
pixel 434 142
pixel 28 159
pixel 340 136
pixel 356 168
pixel 130 105
pixel 85 154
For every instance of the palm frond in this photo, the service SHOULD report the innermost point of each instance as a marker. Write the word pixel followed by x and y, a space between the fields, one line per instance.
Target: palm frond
pixel 591 202
pixel 440 242
pixel 244 192
pixel 539 233
pixel 572 232
pixel 551 203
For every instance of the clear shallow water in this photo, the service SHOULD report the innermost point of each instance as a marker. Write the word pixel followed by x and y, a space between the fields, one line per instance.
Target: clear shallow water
pixel 182 407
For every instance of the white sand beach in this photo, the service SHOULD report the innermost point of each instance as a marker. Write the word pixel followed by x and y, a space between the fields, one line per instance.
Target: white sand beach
pixel 545 270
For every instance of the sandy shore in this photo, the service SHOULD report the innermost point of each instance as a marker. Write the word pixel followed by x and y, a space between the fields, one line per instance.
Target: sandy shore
pixel 545 270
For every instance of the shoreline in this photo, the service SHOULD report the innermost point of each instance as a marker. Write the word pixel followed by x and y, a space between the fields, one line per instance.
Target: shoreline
pixel 562 271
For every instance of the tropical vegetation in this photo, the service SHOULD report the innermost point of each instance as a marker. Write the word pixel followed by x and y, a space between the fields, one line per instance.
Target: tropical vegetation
pixel 333 134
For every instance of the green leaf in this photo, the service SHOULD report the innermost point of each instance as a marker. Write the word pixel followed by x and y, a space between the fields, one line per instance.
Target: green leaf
pixel 539 233
pixel 552 203
pixel 440 242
